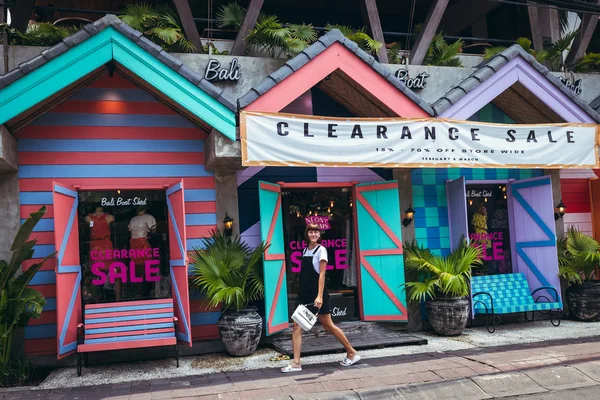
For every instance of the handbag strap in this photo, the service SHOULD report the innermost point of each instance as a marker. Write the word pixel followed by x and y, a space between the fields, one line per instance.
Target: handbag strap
pixel 312 304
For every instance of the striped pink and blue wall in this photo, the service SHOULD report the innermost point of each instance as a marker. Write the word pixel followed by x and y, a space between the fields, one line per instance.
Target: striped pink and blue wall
pixel 111 132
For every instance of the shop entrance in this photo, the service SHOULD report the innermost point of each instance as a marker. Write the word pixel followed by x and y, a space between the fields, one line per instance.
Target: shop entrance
pixel 332 210
pixel 487 216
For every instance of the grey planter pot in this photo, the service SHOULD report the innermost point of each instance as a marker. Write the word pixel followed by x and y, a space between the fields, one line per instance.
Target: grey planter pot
pixel 584 301
pixel 241 331
pixel 448 317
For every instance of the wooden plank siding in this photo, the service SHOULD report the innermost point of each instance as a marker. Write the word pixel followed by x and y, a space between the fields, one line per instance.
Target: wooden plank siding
pixel 111 132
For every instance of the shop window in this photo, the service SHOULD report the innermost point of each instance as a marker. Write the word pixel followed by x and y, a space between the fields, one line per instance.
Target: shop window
pixel 487 210
pixel 332 210
pixel 124 247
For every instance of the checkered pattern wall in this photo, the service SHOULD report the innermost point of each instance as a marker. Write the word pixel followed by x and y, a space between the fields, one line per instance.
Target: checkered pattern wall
pixel 429 190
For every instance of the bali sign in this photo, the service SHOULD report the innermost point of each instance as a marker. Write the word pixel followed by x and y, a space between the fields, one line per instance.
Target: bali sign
pixel 275 139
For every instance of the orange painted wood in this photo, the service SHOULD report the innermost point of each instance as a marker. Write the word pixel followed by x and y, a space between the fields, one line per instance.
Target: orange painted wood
pixel 205 332
pixel 49 265
pixel 336 57
pixel 128 333
pixel 199 231
pixel 46 317
pixel 45 185
pixel 27 210
pixel 127 304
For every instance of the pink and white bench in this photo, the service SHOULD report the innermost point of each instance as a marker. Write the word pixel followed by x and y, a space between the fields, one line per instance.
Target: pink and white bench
pixel 126 325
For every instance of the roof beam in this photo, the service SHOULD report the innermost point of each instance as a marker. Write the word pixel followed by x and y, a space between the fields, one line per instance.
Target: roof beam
pixel 534 23
pixel 371 18
pixel 434 16
pixel 582 41
pixel 250 18
pixel 189 25
pixel 21 14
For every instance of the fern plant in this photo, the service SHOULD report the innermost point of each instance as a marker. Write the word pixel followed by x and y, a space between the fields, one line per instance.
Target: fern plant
pixel 525 43
pixel 42 34
pixel 159 23
pixel 578 256
pixel 445 277
pixel 228 271
pixel 441 54
pixel 394 54
pixel 589 63
pixel 358 36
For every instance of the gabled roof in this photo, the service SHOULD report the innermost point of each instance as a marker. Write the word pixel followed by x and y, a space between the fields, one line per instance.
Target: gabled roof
pixel 103 41
pixel 314 50
pixel 490 67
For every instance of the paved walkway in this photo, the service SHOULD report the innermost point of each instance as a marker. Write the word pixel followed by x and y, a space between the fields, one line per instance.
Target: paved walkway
pixel 464 374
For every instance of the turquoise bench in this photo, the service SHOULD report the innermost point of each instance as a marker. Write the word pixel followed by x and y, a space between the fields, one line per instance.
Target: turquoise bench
pixel 494 295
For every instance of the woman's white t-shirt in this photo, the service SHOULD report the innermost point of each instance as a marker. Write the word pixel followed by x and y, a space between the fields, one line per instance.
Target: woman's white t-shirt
pixel 319 254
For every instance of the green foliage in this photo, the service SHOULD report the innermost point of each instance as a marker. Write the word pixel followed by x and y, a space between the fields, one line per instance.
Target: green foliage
pixel 159 23
pixel 269 34
pixel 589 63
pixel 394 54
pixel 42 34
pixel 445 276
pixel 442 54
pixel 358 36
pixel 18 303
pixel 228 271
pixel 578 256
pixel 558 50
pixel 16 373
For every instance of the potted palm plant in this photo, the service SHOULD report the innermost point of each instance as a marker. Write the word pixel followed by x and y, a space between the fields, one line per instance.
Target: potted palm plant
pixel 229 272
pixel 578 256
pixel 445 287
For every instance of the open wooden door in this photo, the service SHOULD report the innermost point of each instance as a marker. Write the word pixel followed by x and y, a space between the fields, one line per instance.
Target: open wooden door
pixel 179 261
pixel 379 236
pixel 271 231
pixel 533 235
pixel 68 268
pixel 457 211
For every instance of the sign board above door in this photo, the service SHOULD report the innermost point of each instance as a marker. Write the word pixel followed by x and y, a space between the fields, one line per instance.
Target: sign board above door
pixel 277 139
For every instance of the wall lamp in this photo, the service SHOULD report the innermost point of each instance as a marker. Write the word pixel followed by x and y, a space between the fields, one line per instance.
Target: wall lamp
pixel 560 211
pixel 227 225
pixel 409 214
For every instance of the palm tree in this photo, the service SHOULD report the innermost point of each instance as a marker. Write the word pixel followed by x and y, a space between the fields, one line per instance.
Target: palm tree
pixel 228 271
pixel 578 256
pixel 446 277
pixel 525 43
pixel 358 36
pixel 159 23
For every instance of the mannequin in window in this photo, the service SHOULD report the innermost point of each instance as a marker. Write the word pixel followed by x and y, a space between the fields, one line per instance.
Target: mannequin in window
pixel 140 227
pixel 99 223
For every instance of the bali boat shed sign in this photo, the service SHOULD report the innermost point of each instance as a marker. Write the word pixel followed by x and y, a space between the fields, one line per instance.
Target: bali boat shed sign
pixel 277 139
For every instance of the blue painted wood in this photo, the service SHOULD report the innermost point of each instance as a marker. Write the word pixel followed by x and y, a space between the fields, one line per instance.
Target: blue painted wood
pixel 44 225
pixel 131 338
pixel 199 195
pixel 40 331
pixel 117 329
pixel 43 278
pixel 113 171
pixel 113 94
pixel 91 311
pixel 200 219
pixel 127 318
pixel 110 145
pixel 36 198
pixel 205 318
pixel 83 119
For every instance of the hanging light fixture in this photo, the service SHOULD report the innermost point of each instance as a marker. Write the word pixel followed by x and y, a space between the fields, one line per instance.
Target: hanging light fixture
pixel 227 225
pixel 409 215
pixel 560 211
pixel 470 202
pixel 331 203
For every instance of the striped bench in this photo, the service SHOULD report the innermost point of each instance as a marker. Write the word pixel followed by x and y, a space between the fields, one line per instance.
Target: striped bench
pixel 126 325
pixel 509 293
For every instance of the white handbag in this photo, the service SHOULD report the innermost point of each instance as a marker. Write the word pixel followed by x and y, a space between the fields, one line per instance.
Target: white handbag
pixel 304 317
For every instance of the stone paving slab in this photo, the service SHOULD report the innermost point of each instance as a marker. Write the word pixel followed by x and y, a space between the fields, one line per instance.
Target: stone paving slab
pixel 328 344
pixel 590 369
pixel 508 384
pixel 561 377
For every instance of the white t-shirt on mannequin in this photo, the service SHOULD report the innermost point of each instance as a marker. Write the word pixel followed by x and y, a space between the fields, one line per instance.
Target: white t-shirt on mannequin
pixel 319 254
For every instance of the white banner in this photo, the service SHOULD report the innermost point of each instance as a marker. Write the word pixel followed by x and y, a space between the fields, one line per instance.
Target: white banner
pixel 276 139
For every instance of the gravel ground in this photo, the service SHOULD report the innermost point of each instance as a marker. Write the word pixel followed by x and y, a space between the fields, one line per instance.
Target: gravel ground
pixel 212 363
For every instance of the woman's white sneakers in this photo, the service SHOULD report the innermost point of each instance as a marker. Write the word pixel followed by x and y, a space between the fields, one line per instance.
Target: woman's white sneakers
pixel 349 362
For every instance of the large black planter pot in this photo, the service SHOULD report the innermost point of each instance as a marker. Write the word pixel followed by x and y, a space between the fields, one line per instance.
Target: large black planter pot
pixel 240 331
pixel 448 317
pixel 584 301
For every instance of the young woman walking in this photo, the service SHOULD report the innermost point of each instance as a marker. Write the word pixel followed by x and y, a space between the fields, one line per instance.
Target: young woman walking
pixel 312 291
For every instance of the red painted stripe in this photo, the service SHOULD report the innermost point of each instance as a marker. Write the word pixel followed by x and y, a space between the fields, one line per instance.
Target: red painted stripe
pixel 269 186
pixel 199 231
pixel 117 81
pixel 45 185
pixel 205 332
pixel 386 318
pixel 89 325
pixel 27 210
pixel 273 328
pixel 49 265
pixel 200 207
pixel 379 186
pixel 91 317
pixel 48 291
pixel 113 107
pixel 47 317
pixel 129 303
pixel 202 306
pixel 39 347
pixel 383 285
pixel 84 348
pixel 43 237
pixel 101 158
pixel 313 185
pixel 382 252
pixel 110 132
pixel 278 328
pixel 377 218
pixel 268 256
pixel 129 333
